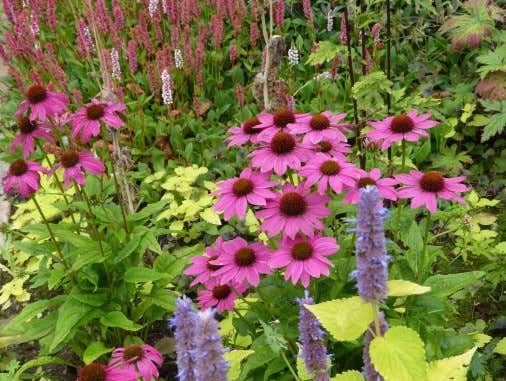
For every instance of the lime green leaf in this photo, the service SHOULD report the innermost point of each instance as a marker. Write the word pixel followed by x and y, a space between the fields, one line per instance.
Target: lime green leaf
pixel 210 216
pixel 344 319
pixel 94 351
pixel 501 347
pixel 445 285
pixel 235 358
pixel 399 355
pixel 42 360
pixel 326 51
pixel 350 375
pixel 481 339
pixel 118 320
pixel 69 314
pixel 452 368
pixel 399 287
pixel 302 370
pixel 142 274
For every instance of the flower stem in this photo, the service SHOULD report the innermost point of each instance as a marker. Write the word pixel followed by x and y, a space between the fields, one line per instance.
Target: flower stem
pixel 292 371
pixel 423 256
pixel 53 238
pixel 403 155
pixel 90 219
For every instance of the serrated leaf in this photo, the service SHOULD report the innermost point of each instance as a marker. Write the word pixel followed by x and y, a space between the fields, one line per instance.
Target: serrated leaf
pixel 210 216
pixel 399 287
pixel 94 351
pixel 345 319
pixel 501 347
pixel 452 368
pixel 399 355
pixel 350 375
pixel 116 319
pixel 235 358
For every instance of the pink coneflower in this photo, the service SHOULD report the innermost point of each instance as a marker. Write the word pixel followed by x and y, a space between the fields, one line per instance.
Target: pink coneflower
pixel 281 153
pixel 42 103
pixel 403 126
pixel 270 124
pixel 320 127
pixel 87 120
pixel 423 188
pixel 74 163
pixel 135 361
pixel 28 131
pixel 294 210
pixel 304 257
pixel 97 372
pixel 202 267
pixel 243 262
pixel 245 133
pixel 331 148
pixel 335 172
pixel 220 296
pixel 249 188
pixel 23 177
pixel 385 186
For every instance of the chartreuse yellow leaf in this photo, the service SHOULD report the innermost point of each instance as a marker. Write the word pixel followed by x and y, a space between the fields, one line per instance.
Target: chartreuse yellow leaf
pixel 501 347
pixel 399 355
pixel 235 358
pixel 452 368
pixel 481 339
pixel 399 287
pixel 302 371
pixel 210 216
pixel 345 319
pixel 350 375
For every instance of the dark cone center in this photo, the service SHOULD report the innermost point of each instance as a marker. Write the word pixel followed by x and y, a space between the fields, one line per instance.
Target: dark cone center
pixel 432 181
pixel 242 187
pixel 365 181
pixel 26 126
pixel 282 117
pixel 282 143
pixel 248 125
pixel 221 292
pixel 69 159
pixel 132 353
pixel 36 94
pixel 245 257
pixel 319 122
pixel 330 168
pixel 92 372
pixel 18 167
pixel 402 124
pixel 95 111
pixel 324 146
pixel 210 266
pixel 302 251
pixel 292 204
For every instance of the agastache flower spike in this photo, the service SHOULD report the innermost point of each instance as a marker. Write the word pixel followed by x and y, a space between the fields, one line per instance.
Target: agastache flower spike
pixel 209 349
pixel 372 258
pixel 311 337
pixel 185 321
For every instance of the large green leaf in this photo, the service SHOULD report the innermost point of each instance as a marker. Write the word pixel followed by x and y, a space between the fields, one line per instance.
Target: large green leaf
pixel 69 314
pixel 445 285
pixel 235 358
pixel 399 355
pixel 117 319
pixel 452 368
pixel 142 274
pixel 345 319
pixel 350 375
pixel 94 351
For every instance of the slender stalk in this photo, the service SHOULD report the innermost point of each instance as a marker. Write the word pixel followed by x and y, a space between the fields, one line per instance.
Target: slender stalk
pixel 403 155
pixel 290 368
pixel 267 54
pixel 53 238
pixel 90 218
pixel 388 70
pixel 423 256
pixel 361 3
pixel 377 328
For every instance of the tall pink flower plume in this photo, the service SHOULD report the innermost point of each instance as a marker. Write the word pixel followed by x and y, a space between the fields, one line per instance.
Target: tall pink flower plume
pixel 280 14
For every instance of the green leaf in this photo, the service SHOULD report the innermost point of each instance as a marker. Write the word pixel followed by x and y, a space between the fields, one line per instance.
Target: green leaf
pixel 501 347
pixel 142 274
pixel 445 285
pixel 235 358
pixel 451 368
pixel 148 211
pixel 94 351
pixel 345 319
pixel 325 52
pixel 69 314
pixel 399 355
pixel 399 287
pixel 42 360
pixel 118 320
pixel 210 216
pixel 350 375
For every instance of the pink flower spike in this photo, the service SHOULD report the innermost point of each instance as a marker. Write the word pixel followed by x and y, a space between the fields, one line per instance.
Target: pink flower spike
pixel 425 188
pixel 294 210
pixel 271 124
pixel 242 262
pixel 202 266
pixel 246 133
pixel 28 131
pixel 305 257
pixel 385 186
pixel 23 177
pixel 135 361
pixel 320 127
pixel 249 188
pixel 74 163
pixel 410 127
pixel 220 296
pixel 335 172
pixel 42 103
pixel 87 120
pixel 281 153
